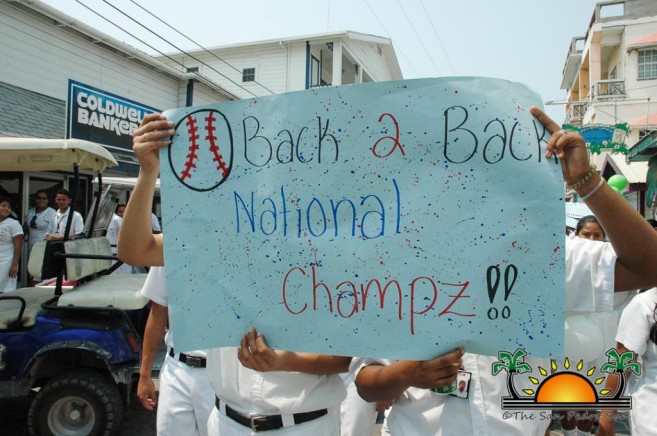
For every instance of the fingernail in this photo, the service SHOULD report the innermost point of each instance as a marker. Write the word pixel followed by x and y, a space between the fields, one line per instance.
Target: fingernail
pixel 170 123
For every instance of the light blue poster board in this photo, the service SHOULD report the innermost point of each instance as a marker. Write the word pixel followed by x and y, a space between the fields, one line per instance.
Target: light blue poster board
pixel 397 219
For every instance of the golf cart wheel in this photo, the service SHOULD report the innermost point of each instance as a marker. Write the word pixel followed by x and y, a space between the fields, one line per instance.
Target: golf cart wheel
pixel 81 403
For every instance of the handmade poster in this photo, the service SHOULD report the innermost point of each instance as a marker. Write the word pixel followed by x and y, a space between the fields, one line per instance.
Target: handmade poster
pixel 396 219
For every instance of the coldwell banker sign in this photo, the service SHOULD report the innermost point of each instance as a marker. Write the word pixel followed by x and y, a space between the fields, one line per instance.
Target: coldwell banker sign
pixel 99 116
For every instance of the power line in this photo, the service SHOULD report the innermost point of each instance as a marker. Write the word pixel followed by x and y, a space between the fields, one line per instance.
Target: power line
pixel 435 32
pixel 419 39
pixel 138 39
pixel 194 42
pixel 174 46
pixel 390 37
pixel 61 47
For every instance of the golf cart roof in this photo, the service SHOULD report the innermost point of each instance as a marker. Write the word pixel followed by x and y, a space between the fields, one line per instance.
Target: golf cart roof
pixel 35 154
pixel 125 182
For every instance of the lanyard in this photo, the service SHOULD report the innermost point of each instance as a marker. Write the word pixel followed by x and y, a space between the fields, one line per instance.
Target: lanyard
pixel 59 221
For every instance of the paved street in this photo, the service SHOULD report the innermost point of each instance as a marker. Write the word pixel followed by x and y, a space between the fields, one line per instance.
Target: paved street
pixel 138 422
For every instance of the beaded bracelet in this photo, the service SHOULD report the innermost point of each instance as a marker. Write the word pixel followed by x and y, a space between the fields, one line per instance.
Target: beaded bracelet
pixel 584 179
pixel 594 190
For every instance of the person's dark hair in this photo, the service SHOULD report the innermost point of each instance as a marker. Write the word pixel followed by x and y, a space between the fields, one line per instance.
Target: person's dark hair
pixel 41 191
pixel 652 222
pixel 118 206
pixel 64 192
pixel 8 200
pixel 585 220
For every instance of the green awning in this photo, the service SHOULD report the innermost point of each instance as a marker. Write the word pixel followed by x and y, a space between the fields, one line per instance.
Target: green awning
pixel 644 149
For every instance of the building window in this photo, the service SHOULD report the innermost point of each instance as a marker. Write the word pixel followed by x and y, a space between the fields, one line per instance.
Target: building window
pixel 648 64
pixel 315 71
pixel 248 75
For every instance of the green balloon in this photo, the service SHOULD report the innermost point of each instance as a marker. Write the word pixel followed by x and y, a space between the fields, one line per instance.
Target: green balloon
pixel 617 181
pixel 615 188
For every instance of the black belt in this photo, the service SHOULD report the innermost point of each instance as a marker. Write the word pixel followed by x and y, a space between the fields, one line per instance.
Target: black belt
pixel 268 422
pixel 193 361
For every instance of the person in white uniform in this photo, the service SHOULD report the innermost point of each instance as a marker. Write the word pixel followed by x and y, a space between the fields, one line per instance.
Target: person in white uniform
pixel 593 272
pixel 637 332
pixel 11 243
pixel 185 395
pixel 357 416
pixel 38 219
pixel 155 224
pixel 112 235
pixel 256 388
pixel 57 226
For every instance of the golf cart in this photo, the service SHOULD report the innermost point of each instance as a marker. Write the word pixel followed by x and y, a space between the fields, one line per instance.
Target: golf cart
pixel 73 343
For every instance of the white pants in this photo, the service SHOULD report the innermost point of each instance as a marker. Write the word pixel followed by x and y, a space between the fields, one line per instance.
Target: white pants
pixel 185 400
pixel 327 425
pixel 357 416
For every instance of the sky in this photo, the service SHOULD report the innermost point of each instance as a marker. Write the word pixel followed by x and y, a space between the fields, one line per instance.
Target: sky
pixel 525 41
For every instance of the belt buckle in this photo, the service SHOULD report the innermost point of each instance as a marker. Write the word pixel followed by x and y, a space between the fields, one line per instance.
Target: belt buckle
pixel 194 361
pixel 253 421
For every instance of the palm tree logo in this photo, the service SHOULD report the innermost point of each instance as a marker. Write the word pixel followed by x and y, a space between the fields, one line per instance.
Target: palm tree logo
pixel 619 364
pixel 513 364
pixel 565 389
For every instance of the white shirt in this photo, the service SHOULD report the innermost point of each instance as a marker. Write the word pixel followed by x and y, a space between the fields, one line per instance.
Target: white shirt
pixel 589 286
pixel 58 225
pixel 155 224
pixel 42 222
pixel 9 229
pixel 589 276
pixel 634 333
pixel 155 289
pixel 113 236
pixel 113 231
pixel 249 391
pixel 276 392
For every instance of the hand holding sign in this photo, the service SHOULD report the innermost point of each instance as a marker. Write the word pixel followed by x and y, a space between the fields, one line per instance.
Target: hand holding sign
pixel 568 146
pixel 150 137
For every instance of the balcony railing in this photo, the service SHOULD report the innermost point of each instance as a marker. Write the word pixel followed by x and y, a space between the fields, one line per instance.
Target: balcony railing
pixel 576 113
pixel 604 89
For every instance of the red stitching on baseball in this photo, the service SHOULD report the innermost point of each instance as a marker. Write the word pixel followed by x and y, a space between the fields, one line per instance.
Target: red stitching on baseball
pixel 214 148
pixel 193 147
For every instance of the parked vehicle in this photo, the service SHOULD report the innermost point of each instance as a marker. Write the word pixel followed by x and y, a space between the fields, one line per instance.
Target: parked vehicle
pixel 71 344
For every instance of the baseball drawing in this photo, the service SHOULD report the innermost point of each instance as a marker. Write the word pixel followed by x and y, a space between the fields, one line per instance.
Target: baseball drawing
pixel 201 151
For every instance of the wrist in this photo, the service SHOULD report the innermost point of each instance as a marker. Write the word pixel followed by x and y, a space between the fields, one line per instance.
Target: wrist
pixel 149 171
pixel 409 373
pixel 590 188
pixel 580 182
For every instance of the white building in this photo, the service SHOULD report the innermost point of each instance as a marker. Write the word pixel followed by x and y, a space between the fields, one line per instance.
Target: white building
pixel 292 64
pixel 610 76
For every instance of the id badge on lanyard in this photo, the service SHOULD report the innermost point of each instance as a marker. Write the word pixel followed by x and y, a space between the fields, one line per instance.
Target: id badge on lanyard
pixel 458 388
